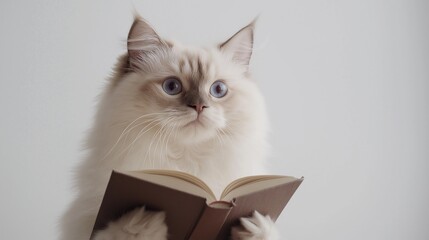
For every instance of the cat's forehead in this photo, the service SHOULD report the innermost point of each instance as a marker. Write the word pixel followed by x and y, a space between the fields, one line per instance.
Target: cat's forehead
pixel 196 65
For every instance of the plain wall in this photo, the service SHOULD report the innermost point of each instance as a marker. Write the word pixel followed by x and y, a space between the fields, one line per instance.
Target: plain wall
pixel 346 84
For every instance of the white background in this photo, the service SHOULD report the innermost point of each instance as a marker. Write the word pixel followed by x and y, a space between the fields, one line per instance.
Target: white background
pixel 346 83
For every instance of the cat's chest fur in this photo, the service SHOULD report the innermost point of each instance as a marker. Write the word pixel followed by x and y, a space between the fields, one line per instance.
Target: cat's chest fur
pixel 213 162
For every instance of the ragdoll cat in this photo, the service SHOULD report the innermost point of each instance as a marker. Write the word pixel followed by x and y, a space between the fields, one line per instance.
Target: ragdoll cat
pixel 170 106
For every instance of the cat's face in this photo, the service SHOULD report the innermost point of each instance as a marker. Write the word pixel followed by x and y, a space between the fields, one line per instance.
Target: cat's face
pixel 190 94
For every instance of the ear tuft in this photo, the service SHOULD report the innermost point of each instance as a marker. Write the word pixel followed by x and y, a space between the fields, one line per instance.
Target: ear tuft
pixel 240 45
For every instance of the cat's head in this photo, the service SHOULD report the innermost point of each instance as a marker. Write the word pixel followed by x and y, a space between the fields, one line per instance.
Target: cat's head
pixel 192 94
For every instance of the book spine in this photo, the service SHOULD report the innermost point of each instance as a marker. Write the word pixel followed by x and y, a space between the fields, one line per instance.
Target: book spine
pixel 211 221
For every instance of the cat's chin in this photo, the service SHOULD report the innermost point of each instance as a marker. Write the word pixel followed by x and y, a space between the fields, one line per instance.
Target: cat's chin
pixel 196 132
pixel 195 124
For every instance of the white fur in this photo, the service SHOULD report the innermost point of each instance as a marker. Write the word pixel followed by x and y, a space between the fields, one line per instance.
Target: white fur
pixel 132 132
pixel 256 227
pixel 136 225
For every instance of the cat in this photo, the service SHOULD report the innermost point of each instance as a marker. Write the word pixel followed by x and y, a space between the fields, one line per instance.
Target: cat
pixel 171 106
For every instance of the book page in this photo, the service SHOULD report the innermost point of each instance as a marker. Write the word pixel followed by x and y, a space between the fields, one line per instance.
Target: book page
pixel 176 180
pixel 243 186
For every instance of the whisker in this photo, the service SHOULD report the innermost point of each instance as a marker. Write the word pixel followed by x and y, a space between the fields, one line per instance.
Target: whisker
pixel 163 146
pixel 144 130
pixel 225 133
pixel 173 129
pixel 218 137
pixel 154 138
pixel 163 136
pixel 126 131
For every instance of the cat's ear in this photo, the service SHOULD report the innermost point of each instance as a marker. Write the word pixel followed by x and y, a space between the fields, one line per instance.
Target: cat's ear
pixel 142 40
pixel 240 45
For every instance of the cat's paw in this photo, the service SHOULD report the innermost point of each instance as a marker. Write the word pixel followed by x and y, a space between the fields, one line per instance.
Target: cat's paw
pixel 256 227
pixel 138 224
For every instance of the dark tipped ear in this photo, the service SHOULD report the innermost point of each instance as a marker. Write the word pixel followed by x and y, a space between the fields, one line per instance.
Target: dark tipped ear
pixel 142 39
pixel 240 45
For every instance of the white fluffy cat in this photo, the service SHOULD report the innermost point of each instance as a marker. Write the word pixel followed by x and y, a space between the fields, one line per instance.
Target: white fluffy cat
pixel 170 106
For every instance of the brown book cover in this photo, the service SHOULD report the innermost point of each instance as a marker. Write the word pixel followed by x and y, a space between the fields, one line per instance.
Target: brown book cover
pixel 192 211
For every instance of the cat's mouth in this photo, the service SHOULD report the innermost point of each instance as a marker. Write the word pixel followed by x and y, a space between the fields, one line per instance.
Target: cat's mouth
pixel 195 123
pixel 198 128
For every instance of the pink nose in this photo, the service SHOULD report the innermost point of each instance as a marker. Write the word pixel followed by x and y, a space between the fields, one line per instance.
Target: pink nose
pixel 198 107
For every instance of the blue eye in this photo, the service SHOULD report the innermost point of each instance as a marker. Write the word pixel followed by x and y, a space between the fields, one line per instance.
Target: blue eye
pixel 172 86
pixel 218 89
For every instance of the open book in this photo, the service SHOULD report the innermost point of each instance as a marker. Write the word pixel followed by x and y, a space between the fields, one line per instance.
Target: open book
pixel 192 209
